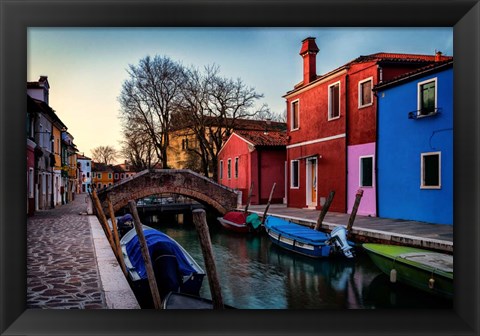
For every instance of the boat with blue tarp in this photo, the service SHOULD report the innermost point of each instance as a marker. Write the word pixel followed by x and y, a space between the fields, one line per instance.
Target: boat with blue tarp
pixel 174 268
pixel 306 241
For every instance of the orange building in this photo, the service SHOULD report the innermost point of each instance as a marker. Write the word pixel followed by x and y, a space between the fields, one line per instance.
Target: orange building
pixel 102 175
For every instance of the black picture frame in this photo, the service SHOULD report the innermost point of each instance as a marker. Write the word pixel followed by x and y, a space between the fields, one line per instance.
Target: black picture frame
pixel 17 16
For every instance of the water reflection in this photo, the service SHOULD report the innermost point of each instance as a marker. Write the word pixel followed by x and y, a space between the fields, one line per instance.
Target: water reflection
pixel 255 274
pixel 383 294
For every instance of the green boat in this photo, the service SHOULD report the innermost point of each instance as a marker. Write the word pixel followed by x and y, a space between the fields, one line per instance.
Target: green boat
pixel 426 270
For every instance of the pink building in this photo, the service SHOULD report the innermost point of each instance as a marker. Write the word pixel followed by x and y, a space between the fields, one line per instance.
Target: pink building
pixel 256 157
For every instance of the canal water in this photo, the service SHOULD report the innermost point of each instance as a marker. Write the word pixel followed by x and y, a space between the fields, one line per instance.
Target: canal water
pixel 255 274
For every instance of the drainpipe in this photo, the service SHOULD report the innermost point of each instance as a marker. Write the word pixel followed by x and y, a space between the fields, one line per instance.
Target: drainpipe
pixel 259 186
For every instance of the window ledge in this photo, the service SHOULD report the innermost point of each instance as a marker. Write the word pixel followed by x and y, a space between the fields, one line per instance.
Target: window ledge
pixel 363 106
pixel 431 187
pixel 418 115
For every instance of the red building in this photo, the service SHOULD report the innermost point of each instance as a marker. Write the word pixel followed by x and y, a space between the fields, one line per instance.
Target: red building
pixel 331 126
pixel 256 157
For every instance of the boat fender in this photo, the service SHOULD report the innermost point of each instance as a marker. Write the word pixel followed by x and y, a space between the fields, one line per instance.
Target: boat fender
pixel 431 283
pixel 393 275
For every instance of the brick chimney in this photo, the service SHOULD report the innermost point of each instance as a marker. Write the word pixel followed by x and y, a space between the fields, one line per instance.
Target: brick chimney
pixel 309 53
pixel 438 56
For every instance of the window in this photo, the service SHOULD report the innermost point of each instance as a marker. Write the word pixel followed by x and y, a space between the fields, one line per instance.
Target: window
pixel 183 144
pixel 294 174
pixel 88 164
pixel 88 174
pixel 121 176
pixel 334 101
pixel 31 183
pixel 430 170
pixel 427 97
pixel 236 167
pixel 366 171
pixel 229 168
pixel 99 185
pixel 365 97
pixel 99 175
pixel 109 176
pixel 295 116
pixel 116 176
pixel 221 169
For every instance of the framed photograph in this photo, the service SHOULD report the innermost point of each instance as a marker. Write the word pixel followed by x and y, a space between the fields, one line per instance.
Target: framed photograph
pixel 463 16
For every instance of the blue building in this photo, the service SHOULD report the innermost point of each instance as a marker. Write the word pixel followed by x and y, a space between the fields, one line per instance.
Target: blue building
pixel 415 145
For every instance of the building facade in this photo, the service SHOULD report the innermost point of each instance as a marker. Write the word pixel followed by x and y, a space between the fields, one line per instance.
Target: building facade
pixel 85 172
pixel 123 171
pixel 102 175
pixel 331 124
pixel 257 159
pixel 415 145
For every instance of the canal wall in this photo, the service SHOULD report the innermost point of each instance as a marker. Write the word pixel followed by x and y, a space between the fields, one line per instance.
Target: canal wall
pixel 117 291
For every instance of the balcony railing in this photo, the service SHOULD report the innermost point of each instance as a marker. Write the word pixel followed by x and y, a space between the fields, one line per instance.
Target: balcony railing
pixel 424 113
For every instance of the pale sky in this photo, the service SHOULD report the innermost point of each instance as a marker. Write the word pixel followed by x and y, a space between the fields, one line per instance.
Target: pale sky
pixel 87 66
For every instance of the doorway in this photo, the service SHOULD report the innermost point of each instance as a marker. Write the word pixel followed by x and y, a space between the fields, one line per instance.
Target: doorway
pixel 312 182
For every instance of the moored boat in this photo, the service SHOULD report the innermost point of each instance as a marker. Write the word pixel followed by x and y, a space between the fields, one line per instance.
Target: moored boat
pixel 175 300
pixel 239 221
pixel 306 241
pixel 426 270
pixel 174 268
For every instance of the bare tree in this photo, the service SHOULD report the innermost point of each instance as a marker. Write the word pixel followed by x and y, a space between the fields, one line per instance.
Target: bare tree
pixel 104 154
pixel 149 97
pixel 211 107
pixel 138 148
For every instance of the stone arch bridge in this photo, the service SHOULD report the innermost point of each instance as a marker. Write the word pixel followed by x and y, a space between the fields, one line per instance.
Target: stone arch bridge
pixel 177 181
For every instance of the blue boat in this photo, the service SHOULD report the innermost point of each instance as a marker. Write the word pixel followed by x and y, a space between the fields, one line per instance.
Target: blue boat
pixel 175 270
pixel 306 241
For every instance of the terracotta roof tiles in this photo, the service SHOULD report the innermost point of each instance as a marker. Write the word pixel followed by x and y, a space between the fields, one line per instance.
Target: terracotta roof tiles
pixel 262 138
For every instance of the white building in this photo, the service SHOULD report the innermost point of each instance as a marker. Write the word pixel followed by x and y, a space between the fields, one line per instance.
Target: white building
pixel 85 172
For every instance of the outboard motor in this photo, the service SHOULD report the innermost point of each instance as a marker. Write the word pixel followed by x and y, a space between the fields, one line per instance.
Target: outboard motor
pixel 339 240
pixel 124 224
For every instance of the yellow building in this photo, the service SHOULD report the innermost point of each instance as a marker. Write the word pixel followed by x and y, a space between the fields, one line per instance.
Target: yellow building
pixel 102 175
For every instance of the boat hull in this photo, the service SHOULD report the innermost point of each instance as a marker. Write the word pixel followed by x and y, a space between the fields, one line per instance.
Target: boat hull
pixel 231 226
pixel 415 267
pixel 239 221
pixel 175 300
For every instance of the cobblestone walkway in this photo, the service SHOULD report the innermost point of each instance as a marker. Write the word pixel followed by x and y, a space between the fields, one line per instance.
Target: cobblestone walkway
pixel 61 265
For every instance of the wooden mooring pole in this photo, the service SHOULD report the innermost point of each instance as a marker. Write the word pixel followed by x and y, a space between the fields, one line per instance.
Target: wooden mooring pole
pixel 324 210
pixel 200 221
pixel 249 197
pixel 152 282
pixel 358 198
pixel 118 248
pixel 268 204
pixel 103 219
